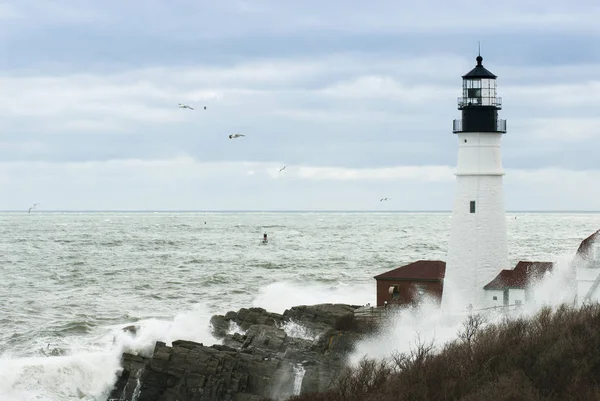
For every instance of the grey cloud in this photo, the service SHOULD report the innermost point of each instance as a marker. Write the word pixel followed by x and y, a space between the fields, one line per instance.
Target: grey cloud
pixel 88 49
pixel 99 36
pixel 361 124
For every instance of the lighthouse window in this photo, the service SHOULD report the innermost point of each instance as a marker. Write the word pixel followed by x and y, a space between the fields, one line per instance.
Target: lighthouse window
pixel 472 206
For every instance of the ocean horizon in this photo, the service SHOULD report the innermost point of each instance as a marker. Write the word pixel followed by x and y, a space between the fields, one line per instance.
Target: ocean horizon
pixel 276 211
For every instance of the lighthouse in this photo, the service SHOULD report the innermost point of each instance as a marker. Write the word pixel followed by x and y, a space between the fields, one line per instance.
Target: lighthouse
pixel 477 247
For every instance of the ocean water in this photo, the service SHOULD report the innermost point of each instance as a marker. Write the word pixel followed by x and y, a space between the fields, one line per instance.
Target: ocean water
pixel 71 281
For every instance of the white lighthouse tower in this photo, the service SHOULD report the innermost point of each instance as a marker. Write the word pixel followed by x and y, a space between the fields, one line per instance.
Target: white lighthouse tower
pixel 477 247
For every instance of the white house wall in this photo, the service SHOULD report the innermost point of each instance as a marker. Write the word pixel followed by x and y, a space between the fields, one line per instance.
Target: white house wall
pixel 515 295
pixel 490 294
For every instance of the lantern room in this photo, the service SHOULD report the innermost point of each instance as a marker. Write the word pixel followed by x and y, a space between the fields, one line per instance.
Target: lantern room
pixel 479 104
pixel 479 88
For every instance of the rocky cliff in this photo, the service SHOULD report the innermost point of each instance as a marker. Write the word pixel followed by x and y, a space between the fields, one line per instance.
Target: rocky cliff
pixel 263 355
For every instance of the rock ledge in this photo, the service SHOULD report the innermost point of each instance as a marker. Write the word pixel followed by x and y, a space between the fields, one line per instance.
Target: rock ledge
pixel 257 359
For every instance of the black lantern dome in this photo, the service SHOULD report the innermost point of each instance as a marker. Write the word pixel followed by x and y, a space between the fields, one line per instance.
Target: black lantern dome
pixel 479 103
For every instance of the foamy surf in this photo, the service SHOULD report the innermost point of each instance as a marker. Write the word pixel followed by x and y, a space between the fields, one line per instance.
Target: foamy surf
pixel 279 296
pixel 88 369
pixel 82 376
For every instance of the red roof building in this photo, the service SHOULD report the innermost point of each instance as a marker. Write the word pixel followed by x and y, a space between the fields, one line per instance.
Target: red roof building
pixel 586 265
pixel 408 285
pixel 520 277
pixel 588 251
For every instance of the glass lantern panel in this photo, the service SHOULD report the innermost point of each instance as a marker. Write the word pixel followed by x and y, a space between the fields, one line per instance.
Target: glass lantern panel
pixel 488 91
pixel 471 83
pixel 472 91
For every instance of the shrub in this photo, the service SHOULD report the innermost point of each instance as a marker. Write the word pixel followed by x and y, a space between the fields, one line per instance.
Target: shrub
pixel 553 356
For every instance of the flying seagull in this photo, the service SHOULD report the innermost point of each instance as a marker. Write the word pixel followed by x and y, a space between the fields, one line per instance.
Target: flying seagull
pixel 233 136
pixel 384 199
pixel 185 106
pixel 32 207
pixel 281 169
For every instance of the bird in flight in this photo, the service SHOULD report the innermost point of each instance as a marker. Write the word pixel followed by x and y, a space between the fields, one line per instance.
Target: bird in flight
pixel 281 169
pixel 204 107
pixel 32 207
pixel 233 136
pixel 384 199
pixel 185 106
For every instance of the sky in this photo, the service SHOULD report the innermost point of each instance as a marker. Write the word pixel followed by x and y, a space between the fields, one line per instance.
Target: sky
pixel 355 98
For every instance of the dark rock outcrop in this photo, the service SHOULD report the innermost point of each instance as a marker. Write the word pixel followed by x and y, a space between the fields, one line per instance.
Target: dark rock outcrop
pixel 260 362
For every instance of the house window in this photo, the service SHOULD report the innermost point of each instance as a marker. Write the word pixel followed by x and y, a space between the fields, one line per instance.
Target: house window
pixel 495 298
pixel 394 292
pixel 472 206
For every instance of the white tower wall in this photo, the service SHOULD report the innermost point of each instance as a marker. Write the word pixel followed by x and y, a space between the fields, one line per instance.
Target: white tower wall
pixel 477 247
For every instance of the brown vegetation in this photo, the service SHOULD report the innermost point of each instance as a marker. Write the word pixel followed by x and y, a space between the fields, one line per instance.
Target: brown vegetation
pixel 552 356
